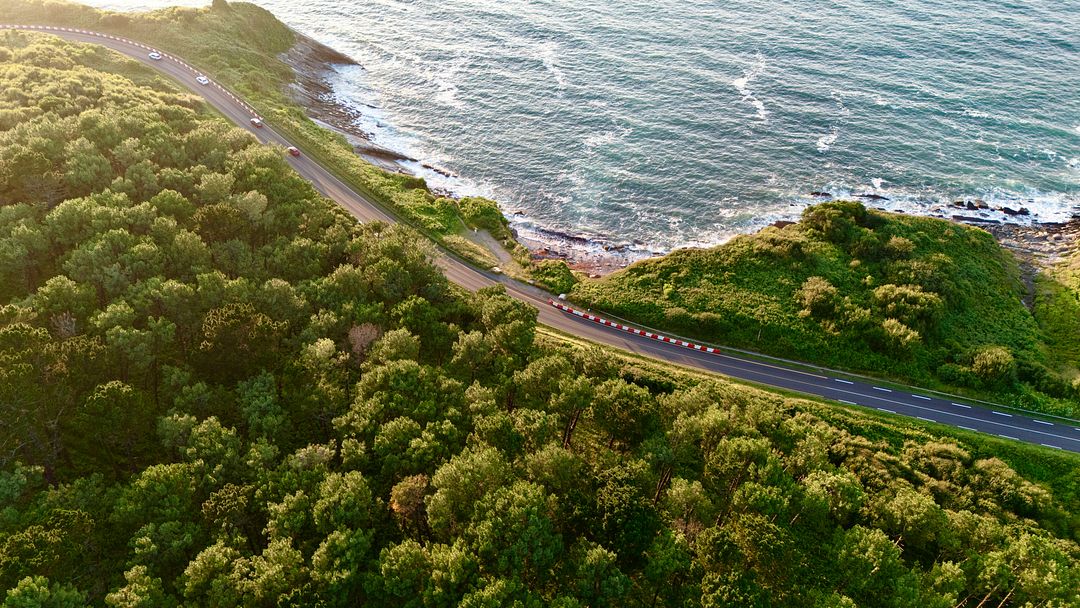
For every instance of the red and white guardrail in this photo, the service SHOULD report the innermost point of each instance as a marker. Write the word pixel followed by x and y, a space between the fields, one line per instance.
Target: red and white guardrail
pixel 53 28
pixel 631 330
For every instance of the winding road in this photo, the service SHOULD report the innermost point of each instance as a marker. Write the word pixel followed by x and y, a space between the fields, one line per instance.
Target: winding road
pixel 1060 434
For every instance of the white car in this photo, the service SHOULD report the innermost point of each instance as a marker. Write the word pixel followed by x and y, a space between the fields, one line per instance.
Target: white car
pixel 203 80
pixel 257 123
pixel 156 56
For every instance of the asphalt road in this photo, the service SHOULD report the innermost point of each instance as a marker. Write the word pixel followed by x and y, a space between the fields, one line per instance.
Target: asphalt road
pixel 999 422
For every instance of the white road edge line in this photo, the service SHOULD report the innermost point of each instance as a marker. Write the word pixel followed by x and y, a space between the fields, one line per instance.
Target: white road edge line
pixel 966 407
pixel 1043 422
pixel 1002 414
pixel 921 397
pixel 884 390
pixel 844 381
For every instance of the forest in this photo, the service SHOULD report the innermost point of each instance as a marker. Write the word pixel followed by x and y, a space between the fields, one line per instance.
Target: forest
pixel 916 299
pixel 218 389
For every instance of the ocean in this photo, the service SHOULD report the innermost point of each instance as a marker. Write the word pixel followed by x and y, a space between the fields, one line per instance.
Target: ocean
pixel 669 123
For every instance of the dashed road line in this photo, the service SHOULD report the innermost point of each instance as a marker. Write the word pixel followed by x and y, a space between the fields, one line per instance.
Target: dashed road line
pixel 884 390
pixel 844 381
pixel 921 397
pixel 1002 414
pixel 966 407
pixel 1042 422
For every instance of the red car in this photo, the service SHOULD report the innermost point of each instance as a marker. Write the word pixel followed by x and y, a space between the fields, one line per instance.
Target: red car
pixel 293 151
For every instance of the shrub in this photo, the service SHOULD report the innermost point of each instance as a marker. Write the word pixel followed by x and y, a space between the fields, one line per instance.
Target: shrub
pixel 909 303
pixel 899 336
pixel 994 364
pixel 818 296
pixel 554 275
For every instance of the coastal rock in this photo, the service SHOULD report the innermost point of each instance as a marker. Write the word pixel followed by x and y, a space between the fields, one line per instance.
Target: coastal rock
pixel 974 220
pixel 1009 211
pixel 821 194
pixel 872 197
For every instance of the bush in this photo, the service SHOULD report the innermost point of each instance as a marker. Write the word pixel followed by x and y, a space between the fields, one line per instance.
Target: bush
pixel 994 364
pixel 818 296
pixel 554 275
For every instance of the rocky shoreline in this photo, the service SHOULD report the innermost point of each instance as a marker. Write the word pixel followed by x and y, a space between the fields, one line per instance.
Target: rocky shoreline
pixel 1037 245
pixel 312 62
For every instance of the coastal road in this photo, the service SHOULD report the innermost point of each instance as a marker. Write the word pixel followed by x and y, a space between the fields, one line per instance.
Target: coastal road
pixel 1059 434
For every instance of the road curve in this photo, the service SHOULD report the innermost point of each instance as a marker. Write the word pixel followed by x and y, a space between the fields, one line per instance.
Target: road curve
pixel 998 422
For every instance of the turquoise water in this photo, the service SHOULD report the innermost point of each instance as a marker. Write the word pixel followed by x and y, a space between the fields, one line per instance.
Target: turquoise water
pixel 675 122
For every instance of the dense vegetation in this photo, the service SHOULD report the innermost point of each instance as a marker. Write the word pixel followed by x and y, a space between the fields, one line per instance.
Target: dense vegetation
pixel 1057 308
pixel 918 299
pixel 239 44
pixel 217 389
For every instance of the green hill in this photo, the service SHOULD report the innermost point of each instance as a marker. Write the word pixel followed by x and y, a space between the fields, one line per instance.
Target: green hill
pixel 217 389
pixel 916 299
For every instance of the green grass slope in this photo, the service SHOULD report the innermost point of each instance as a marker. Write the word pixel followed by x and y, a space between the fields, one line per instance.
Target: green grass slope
pixel 916 299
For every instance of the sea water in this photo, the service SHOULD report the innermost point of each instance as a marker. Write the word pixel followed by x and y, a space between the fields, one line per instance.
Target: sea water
pixel 668 123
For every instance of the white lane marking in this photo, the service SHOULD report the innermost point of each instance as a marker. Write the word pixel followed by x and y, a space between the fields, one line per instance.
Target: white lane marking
pixel 925 419
pixel 966 407
pixel 1002 414
pixel 847 402
pixel 886 410
pixel 1008 437
pixel 966 428
pixel 1043 422
pixel 1047 445
pixel 884 390
pixel 920 397
pixel 844 381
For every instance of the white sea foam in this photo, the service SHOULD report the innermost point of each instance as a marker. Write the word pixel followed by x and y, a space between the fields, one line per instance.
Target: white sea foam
pixel 975 113
pixel 549 55
pixel 598 140
pixel 826 141
pixel 742 84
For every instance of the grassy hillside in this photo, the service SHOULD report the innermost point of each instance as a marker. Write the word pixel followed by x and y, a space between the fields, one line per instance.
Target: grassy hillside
pixel 917 299
pixel 238 44
pixel 216 389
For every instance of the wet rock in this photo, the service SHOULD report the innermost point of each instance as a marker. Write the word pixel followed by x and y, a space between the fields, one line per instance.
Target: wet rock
pixel 821 194
pixel 872 197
